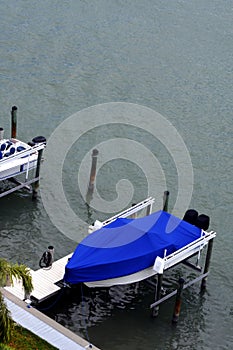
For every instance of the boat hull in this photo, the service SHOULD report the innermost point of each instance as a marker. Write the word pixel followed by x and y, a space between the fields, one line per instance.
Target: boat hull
pixel 17 158
pixel 127 247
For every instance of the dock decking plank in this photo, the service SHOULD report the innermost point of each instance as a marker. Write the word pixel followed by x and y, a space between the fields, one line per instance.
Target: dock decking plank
pixel 43 280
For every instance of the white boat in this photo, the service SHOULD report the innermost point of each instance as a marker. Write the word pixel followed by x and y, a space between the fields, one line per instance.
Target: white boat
pixel 126 250
pixel 18 157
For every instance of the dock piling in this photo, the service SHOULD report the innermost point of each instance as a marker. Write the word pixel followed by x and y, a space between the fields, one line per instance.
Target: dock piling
pixel 155 310
pixel 91 184
pixel 165 200
pixel 95 153
pixel 207 264
pixel 13 122
pixel 176 313
pixel 37 182
pixel 1 133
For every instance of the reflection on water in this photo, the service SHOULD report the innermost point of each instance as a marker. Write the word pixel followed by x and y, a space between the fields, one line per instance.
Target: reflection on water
pixel 92 312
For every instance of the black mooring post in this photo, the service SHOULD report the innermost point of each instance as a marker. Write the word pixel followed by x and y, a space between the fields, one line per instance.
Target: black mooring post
pixel 13 122
pixel 176 312
pixel 155 310
pixel 207 264
pixel 165 200
pixel 37 182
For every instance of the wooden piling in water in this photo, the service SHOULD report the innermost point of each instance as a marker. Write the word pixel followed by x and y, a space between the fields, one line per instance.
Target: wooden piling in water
pixel 165 200
pixel 37 175
pixel 13 122
pixel 1 133
pixel 176 313
pixel 91 185
pixel 207 264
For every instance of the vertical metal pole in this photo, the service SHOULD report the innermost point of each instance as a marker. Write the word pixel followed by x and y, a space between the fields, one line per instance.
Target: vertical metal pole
pixel 207 264
pixel 149 209
pixel 177 307
pixel 165 200
pixel 37 182
pixel 134 215
pixel 155 310
pixel 13 122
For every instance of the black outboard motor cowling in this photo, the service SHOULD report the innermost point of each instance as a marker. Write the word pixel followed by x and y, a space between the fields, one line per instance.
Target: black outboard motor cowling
pixel 190 216
pixel 203 222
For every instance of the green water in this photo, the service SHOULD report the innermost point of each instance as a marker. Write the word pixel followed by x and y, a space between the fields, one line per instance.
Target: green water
pixel 175 57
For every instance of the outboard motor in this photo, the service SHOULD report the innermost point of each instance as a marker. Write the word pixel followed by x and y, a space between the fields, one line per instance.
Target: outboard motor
pixel 203 222
pixel 191 216
pixel 47 258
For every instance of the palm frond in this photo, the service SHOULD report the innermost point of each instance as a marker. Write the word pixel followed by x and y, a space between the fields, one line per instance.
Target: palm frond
pixel 6 322
pixel 22 272
pixel 4 272
pixel 19 272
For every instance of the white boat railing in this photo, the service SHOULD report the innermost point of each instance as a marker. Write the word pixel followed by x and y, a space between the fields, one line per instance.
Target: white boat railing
pixel 130 211
pixel 24 153
pixel 188 250
pixel 148 202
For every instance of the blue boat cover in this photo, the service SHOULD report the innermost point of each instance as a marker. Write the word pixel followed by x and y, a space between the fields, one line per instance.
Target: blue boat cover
pixel 126 246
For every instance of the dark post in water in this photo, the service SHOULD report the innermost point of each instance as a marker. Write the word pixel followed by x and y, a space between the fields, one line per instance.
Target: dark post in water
pixel 36 184
pixel 176 313
pixel 207 264
pixel 165 200
pixel 13 122
pixel 95 153
pixel 155 310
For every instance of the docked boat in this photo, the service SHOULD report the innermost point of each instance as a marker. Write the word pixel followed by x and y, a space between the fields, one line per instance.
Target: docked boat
pixel 17 157
pixel 128 250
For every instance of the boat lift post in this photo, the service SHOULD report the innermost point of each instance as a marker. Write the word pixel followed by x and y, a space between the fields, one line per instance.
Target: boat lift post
pixel 176 313
pixel 165 200
pixel 155 310
pixel 13 122
pixel 182 285
pixel 207 264
pixel 37 175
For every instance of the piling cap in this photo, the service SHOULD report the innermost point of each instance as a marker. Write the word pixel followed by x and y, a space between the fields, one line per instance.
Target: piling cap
pixel 14 108
pixel 95 152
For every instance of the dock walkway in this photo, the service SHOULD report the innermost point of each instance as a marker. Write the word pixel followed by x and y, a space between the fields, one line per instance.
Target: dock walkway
pixel 43 326
pixel 44 281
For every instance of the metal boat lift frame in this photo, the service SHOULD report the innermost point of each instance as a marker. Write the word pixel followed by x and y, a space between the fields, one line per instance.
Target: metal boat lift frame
pixel 27 153
pixel 36 148
pixel 180 256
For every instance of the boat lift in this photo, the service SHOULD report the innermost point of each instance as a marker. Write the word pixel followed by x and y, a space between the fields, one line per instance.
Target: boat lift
pixel 46 282
pixel 23 158
pixel 162 264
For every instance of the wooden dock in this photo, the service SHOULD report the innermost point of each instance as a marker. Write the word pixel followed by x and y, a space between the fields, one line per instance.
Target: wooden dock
pixel 43 326
pixel 44 281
